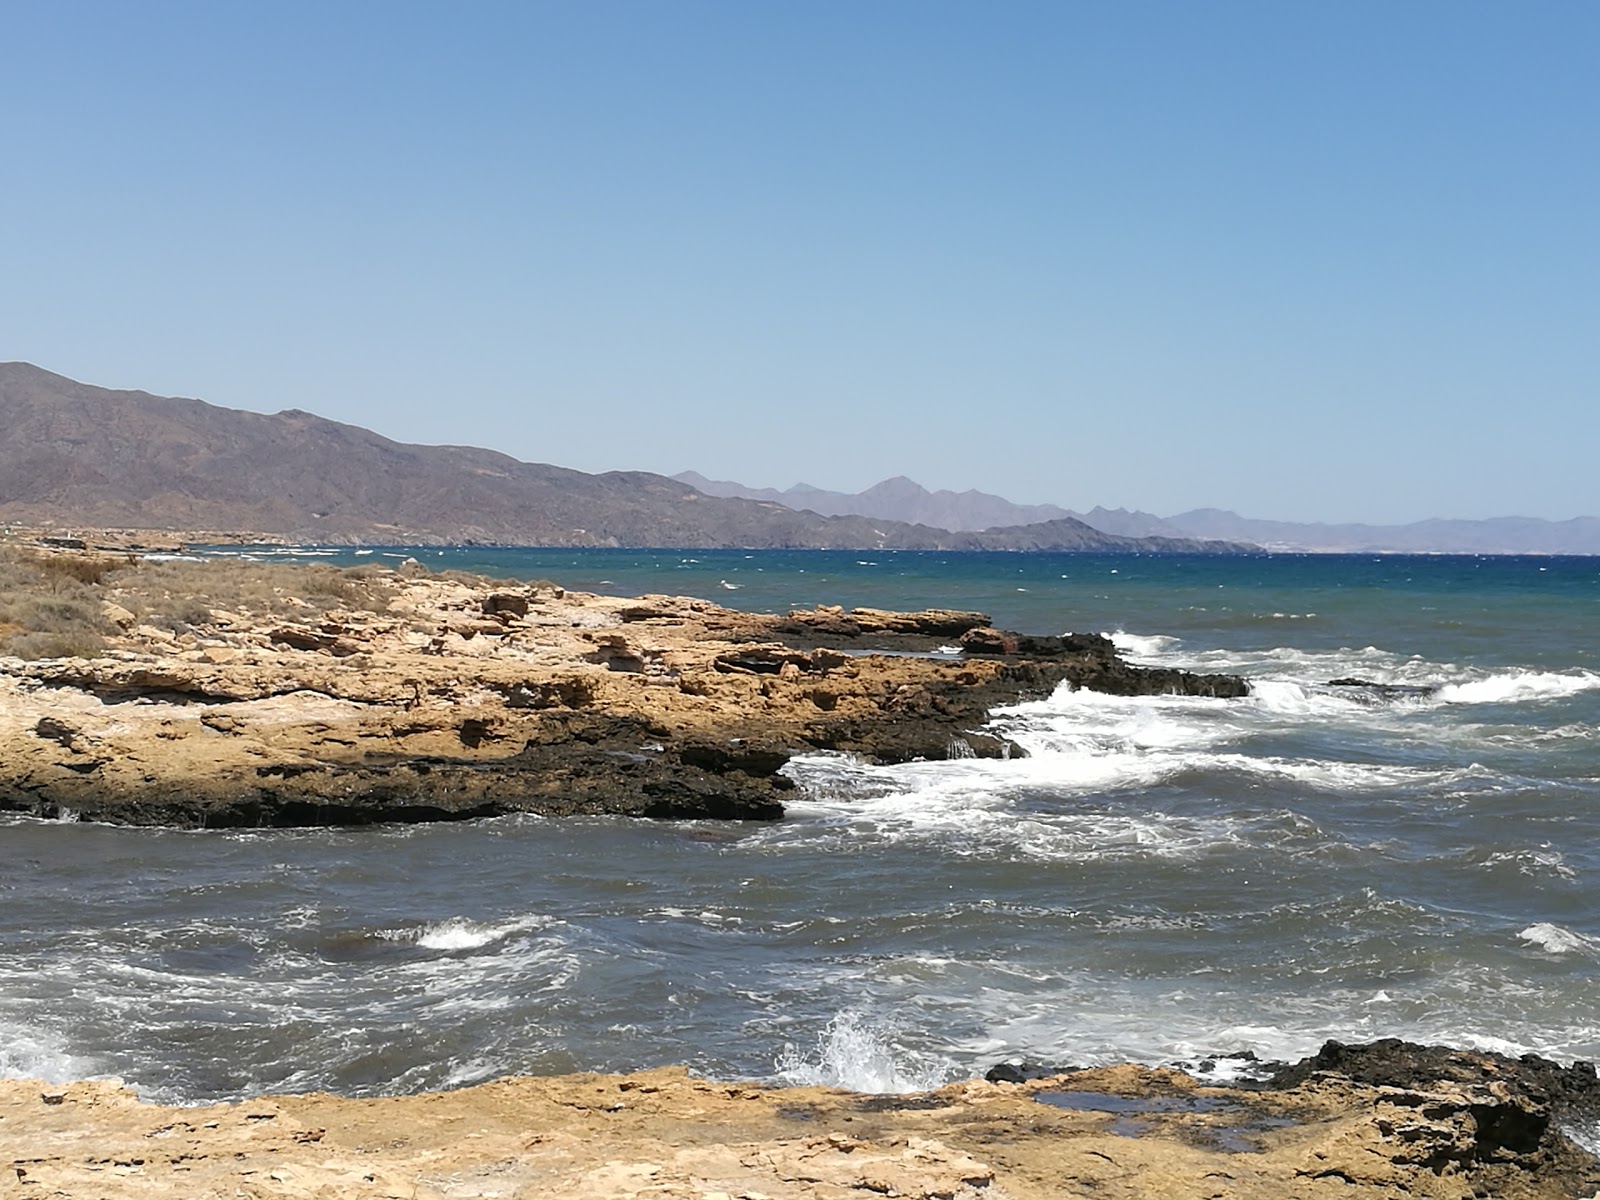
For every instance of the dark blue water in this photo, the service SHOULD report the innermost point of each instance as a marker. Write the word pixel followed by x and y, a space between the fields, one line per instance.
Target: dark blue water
pixel 1160 878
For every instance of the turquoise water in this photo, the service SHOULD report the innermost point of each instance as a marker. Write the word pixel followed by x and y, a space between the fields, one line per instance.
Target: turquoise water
pixel 1161 878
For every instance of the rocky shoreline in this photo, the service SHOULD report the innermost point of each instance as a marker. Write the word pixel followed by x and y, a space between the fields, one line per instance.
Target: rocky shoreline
pixel 231 695
pixel 254 696
pixel 1384 1120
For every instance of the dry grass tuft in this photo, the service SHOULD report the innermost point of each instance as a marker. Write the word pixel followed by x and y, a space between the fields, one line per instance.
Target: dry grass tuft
pixel 48 611
pixel 174 594
pixel 52 602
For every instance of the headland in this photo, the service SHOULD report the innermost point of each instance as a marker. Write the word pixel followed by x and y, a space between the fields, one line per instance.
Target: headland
pixel 230 694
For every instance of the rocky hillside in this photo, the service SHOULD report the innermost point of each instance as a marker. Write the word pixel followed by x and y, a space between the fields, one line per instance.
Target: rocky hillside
pixel 74 454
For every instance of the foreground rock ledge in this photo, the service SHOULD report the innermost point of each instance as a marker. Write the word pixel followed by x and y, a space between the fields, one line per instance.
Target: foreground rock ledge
pixel 666 1136
pixel 457 697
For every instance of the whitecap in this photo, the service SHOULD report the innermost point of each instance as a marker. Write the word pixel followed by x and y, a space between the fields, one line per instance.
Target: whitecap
pixel 1142 646
pixel 458 933
pixel 1514 687
pixel 1555 939
pixel 1545 860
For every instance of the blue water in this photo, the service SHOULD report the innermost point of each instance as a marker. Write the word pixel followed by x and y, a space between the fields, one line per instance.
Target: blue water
pixel 1161 877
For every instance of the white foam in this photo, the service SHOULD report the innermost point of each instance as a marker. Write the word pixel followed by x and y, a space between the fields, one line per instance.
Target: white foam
pixel 1142 646
pixel 978 808
pixel 1348 776
pixel 1545 860
pixel 1486 1042
pixel 1514 687
pixel 458 933
pixel 853 1053
pixel 27 1052
pixel 1287 698
pixel 1554 939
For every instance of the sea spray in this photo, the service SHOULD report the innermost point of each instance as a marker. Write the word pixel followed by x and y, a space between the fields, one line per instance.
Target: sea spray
pixel 859 1054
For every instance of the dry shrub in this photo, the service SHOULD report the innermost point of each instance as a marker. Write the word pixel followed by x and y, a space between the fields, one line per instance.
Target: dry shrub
pixel 188 592
pixel 84 568
pixel 80 643
pixel 47 613
pixel 51 604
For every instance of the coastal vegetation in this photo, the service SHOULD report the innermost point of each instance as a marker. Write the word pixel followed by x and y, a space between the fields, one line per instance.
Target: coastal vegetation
pixel 50 605
pixel 65 605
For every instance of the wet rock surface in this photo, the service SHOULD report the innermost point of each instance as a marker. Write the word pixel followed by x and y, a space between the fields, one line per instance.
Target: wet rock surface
pixel 459 697
pixel 1495 1124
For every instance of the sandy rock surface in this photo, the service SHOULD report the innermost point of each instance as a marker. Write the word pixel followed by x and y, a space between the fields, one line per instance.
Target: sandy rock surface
pixel 664 1135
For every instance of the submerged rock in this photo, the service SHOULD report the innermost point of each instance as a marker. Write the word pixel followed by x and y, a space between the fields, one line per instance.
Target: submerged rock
pixel 1384 691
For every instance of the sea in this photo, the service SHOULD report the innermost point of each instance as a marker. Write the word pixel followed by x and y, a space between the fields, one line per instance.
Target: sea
pixel 1160 880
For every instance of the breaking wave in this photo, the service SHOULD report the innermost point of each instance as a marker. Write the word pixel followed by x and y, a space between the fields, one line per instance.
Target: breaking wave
pixel 1515 687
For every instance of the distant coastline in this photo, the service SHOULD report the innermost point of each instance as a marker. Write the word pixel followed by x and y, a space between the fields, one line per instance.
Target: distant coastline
pixel 904 499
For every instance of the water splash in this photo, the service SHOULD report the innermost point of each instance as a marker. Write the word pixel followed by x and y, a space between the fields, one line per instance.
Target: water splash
pixel 859 1056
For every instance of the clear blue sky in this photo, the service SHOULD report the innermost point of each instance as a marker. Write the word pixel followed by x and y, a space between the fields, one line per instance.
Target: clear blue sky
pixel 1313 261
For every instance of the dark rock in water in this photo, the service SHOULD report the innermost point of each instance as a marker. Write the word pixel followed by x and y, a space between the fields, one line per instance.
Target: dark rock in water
pixel 1385 691
pixel 1090 660
pixel 1005 641
pixel 1568 1093
pixel 1023 1072
pixel 736 755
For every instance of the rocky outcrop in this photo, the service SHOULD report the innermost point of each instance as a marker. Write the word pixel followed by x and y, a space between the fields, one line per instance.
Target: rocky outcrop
pixel 1490 1124
pixel 1525 1094
pixel 418 698
pixel 1116 1133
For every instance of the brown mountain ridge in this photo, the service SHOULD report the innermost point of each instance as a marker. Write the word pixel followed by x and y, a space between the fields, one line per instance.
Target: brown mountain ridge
pixel 78 455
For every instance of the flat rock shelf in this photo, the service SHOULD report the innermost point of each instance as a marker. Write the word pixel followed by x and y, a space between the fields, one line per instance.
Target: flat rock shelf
pixel 1449 1126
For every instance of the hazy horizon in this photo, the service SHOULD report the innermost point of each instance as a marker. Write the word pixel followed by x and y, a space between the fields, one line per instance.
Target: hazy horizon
pixel 1306 264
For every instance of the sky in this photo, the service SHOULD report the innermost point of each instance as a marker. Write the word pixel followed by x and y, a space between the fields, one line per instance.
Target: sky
pixel 1306 261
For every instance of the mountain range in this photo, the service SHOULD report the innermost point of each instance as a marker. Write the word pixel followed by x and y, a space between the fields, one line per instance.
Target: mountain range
pixel 75 454
pixel 904 499
pixel 72 454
